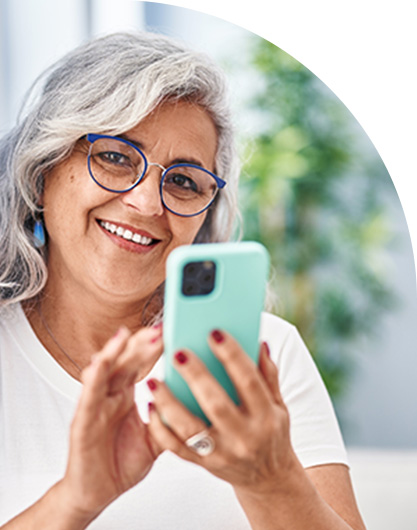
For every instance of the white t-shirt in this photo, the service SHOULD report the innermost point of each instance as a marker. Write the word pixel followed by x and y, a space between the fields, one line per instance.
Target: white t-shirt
pixel 37 403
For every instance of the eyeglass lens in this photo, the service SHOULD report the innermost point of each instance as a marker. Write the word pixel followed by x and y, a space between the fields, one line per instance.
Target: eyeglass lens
pixel 117 166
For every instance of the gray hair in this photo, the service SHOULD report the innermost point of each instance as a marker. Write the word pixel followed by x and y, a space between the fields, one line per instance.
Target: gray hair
pixel 105 86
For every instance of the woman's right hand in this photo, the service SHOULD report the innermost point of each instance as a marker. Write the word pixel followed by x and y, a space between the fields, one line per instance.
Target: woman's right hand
pixel 109 446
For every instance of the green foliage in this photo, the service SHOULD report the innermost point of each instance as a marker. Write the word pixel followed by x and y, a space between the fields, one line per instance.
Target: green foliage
pixel 314 191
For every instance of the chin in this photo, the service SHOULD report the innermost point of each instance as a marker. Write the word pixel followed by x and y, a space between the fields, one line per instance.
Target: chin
pixel 128 292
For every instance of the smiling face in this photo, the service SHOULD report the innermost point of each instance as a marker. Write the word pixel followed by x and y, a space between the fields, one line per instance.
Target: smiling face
pixel 114 246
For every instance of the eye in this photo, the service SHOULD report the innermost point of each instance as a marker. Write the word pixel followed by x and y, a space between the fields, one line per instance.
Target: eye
pixel 114 158
pixel 181 181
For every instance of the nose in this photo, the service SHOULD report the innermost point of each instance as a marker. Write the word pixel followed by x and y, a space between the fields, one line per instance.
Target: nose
pixel 145 197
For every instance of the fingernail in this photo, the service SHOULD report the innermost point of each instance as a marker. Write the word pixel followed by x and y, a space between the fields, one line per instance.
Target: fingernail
pixel 217 336
pixel 151 384
pixel 151 406
pixel 267 350
pixel 158 325
pixel 180 357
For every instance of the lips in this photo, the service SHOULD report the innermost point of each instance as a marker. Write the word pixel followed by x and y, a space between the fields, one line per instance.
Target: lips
pixel 127 234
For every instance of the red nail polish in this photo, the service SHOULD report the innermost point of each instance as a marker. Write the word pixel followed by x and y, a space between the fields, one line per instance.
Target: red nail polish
pixel 151 384
pixel 151 406
pixel 180 357
pixel 158 325
pixel 267 350
pixel 217 336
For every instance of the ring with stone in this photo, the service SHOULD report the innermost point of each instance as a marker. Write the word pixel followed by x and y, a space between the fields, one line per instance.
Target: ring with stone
pixel 202 443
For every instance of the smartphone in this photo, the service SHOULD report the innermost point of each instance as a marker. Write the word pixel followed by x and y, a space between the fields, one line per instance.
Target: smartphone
pixel 212 286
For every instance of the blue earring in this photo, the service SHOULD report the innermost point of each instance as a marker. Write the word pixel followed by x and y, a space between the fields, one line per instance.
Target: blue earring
pixel 39 234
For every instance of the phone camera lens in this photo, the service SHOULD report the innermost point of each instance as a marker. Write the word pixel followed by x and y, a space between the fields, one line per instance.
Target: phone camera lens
pixel 189 289
pixel 198 278
pixel 190 270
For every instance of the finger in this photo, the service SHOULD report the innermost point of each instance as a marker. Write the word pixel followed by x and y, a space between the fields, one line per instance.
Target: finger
pixel 142 351
pixel 269 372
pixel 114 347
pixel 242 371
pixel 118 405
pixel 179 419
pixel 95 376
pixel 156 449
pixel 164 439
pixel 212 398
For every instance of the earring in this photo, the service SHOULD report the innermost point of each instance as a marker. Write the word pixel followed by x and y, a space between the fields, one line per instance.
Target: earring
pixel 39 234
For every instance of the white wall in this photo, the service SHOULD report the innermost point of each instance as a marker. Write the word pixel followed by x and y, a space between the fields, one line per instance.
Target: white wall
pixel 385 486
pixel 380 407
pixel 34 35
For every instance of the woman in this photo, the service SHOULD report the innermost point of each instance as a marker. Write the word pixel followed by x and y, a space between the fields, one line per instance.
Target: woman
pixel 89 216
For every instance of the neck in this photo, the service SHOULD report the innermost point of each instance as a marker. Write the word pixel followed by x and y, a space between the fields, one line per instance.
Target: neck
pixel 76 325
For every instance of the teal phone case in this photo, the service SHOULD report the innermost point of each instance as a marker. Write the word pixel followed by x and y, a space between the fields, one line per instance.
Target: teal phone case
pixel 234 305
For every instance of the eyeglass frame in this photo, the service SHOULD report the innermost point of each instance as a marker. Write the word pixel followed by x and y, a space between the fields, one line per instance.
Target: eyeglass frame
pixel 94 137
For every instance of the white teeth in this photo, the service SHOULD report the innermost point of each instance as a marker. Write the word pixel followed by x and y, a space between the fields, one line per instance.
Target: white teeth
pixel 126 234
pixel 109 226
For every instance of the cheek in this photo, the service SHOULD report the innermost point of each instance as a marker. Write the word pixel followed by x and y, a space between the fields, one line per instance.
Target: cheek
pixel 59 201
pixel 54 202
pixel 186 229
pixel 58 186
pixel 69 195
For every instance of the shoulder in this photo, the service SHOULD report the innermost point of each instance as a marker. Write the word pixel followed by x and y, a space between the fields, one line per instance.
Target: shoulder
pixel 315 432
pixel 298 374
pixel 11 319
pixel 16 334
pixel 287 348
pixel 281 335
pixel 275 327
pixel 10 316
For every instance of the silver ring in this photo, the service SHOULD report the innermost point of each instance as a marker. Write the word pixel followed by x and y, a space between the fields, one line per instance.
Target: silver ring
pixel 202 443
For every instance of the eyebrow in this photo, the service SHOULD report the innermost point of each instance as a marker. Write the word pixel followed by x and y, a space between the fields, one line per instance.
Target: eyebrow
pixel 173 162
pixel 131 140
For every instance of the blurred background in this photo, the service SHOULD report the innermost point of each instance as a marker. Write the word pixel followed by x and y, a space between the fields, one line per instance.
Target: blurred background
pixel 316 193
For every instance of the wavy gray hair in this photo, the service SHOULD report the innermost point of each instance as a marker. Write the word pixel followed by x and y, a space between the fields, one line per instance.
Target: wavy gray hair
pixel 105 86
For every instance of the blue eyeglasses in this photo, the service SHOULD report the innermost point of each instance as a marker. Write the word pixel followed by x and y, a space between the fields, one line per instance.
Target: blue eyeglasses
pixel 118 165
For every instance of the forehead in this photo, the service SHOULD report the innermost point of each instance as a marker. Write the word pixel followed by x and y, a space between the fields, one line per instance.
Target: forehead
pixel 177 125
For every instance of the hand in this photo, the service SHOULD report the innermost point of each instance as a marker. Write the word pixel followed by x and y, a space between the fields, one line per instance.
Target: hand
pixel 109 445
pixel 253 450
pixel 141 352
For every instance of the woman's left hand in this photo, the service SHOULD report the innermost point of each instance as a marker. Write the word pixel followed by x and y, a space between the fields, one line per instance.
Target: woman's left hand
pixel 252 441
